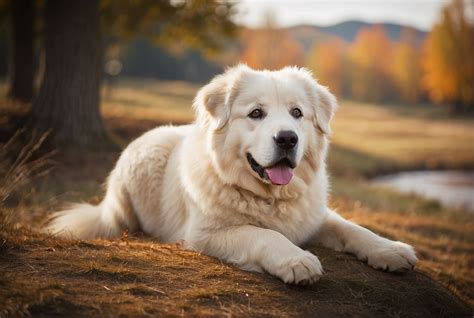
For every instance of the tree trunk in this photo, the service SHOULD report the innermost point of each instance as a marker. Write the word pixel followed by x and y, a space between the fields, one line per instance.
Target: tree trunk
pixel 22 55
pixel 68 101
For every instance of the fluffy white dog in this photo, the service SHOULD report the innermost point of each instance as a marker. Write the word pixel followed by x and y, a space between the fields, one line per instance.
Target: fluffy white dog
pixel 245 183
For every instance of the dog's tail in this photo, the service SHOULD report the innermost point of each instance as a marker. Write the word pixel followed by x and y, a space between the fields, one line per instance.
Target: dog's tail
pixel 84 221
pixel 80 221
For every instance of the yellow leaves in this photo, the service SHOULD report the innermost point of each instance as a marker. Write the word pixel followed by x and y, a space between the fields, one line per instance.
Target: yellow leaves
pixel 405 68
pixel 447 58
pixel 372 68
pixel 327 63
pixel 199 24
pixel 270 48
pixel 370 55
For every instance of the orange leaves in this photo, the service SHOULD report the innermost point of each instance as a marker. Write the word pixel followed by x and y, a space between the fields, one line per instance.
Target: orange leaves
pixel 270 48
pixel 375 68
pixel 370 56
pixel 327 62
pixel 447 58
pixel 406 69
pixel 372 68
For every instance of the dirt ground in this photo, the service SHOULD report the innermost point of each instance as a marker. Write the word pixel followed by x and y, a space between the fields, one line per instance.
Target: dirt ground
pixel 46 277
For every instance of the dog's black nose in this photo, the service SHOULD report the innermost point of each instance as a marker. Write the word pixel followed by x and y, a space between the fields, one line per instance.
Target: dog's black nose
pixel 286 139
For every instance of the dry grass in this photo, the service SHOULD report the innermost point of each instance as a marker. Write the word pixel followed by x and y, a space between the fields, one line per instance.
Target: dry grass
pixel 140 277
pixel 25 166
pixel 165 102
pixel 405 137
pixel 443 242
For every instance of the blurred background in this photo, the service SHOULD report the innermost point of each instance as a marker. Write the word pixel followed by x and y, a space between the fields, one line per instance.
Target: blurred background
pixel 81 79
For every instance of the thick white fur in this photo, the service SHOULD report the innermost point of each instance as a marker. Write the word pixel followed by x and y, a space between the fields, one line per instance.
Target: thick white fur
pixel 193 183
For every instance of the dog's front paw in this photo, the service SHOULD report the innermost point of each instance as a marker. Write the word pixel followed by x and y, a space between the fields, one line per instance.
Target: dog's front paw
pixel 303 269
pixel 392 256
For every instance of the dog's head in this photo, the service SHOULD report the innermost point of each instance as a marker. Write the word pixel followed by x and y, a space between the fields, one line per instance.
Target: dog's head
pixel 263 127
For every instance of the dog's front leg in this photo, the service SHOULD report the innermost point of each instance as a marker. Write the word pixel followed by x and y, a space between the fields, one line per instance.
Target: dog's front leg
pixel 381 253
pixel 257 249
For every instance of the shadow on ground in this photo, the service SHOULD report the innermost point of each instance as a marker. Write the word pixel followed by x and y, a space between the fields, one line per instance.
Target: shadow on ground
pixel 43 276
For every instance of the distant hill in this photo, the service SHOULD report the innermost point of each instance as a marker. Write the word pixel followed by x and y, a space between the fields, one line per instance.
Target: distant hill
pixel 347 31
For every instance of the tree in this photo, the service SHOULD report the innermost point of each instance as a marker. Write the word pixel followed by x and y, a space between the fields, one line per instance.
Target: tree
pixel 327 61
pixel 270 47
pixel 448 64
pixel 370 58
pixel 21 55
pixel 205 25
pixel 406 70
pixel 68 101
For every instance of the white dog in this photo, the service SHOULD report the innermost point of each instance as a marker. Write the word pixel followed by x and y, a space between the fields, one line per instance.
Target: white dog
pixel 245 183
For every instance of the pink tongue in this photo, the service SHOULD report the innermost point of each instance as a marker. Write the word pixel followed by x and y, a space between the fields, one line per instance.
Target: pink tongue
pixel 280 174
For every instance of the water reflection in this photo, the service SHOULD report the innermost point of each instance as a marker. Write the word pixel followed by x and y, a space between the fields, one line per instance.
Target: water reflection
pixel 452 188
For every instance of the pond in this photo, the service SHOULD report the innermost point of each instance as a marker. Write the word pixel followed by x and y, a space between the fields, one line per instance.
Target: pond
pixel 451 188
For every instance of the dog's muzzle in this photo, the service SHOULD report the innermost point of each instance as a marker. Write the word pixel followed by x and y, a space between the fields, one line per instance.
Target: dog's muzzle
pixel 278 173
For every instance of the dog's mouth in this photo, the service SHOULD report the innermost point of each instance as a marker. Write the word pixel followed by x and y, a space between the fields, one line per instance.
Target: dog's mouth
pixel 279 173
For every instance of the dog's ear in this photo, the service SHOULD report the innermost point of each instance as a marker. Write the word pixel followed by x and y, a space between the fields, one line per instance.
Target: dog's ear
pixel 325 108
pixel 213 101
pixel 323 102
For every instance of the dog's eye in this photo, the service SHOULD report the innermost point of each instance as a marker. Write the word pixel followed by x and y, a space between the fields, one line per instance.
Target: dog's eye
pixel 256 114
pixel 296 113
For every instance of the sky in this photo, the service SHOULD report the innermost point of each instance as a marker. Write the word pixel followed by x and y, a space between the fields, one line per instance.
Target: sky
pixel 421 14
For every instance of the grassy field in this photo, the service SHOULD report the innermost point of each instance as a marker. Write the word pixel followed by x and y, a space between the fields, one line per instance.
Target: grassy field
pixel 410 138
pixel 139 276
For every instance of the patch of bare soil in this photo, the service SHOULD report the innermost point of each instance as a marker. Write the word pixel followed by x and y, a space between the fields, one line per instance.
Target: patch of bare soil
pixel 42 276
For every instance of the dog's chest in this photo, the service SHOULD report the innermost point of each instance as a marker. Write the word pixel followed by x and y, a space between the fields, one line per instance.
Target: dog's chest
pixel 298 221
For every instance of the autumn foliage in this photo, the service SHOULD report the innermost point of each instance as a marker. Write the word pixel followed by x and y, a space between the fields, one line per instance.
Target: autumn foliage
pixel 448 60
pixel 270 47
pixel 370 58
pixel 406 68
pixel 329 60
pixel 372 68
pixel 378 69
